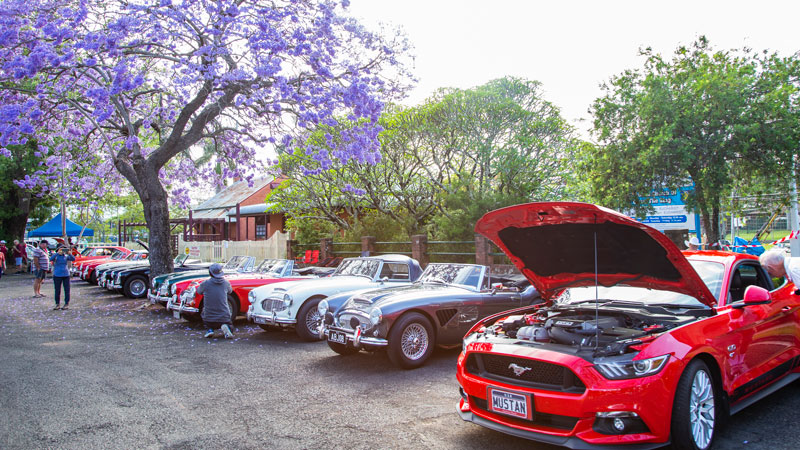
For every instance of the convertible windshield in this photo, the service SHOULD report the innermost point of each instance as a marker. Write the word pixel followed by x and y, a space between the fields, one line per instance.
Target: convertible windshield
pixel 272 266
pixel 361 267
pixel 86 251
pixel 462 274
pixel 710 272
pixel 235 263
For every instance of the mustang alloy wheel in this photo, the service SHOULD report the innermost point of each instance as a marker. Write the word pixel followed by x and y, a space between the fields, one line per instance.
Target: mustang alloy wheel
pixel 411 341
pixel 309 320
pixel 694 419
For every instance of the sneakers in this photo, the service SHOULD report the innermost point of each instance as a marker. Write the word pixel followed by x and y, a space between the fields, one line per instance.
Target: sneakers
pixel 227 331
pixel 209 334
pixel 57 308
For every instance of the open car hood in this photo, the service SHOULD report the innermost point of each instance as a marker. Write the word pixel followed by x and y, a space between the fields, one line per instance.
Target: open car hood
pixel 553 244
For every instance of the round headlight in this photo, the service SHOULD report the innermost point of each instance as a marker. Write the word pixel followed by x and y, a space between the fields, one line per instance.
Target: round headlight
pixel 172 289
pixel 153 283
pixel 251 296
pixel 287 300
pixel 375 315
pixel 322 308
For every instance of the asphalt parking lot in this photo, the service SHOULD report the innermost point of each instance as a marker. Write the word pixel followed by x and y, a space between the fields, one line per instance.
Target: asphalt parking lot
pixel 116 373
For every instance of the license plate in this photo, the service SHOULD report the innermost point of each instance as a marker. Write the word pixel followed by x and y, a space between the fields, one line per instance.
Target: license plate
pixel 337 337
pixel 261 320
pixel 510 403
pixel 176 314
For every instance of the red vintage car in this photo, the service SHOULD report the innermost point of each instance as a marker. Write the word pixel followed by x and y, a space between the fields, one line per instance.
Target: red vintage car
pixel 99 252
pixel 187 303
pixel 80 268
pixel 637 344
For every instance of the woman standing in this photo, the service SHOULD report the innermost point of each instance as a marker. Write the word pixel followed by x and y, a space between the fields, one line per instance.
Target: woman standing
pixel 61 260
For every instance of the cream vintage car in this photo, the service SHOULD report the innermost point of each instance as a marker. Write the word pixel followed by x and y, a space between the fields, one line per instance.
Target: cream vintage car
pixel 294 303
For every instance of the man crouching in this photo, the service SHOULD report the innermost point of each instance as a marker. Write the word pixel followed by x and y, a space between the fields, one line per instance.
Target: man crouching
pixel 216 313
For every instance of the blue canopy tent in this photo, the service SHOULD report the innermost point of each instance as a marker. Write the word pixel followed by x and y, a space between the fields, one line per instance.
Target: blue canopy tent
pixel 53 229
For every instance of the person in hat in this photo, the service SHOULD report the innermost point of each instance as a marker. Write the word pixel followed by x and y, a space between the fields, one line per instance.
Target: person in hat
pixel 41 262
pixel 61 259
pixel 693 244
pixel 216 313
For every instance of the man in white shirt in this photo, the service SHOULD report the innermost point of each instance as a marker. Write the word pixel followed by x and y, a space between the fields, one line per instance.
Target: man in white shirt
pixel 778 265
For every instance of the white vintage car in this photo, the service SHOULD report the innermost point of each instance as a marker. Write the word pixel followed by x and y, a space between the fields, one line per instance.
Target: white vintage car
pixel 294 303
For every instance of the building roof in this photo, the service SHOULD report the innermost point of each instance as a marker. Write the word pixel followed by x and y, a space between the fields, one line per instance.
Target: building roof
pixel 217 206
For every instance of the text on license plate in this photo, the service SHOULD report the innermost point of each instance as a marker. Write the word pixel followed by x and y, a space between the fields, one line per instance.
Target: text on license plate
pixel 337 336
pixel 261 320
pixel 510 403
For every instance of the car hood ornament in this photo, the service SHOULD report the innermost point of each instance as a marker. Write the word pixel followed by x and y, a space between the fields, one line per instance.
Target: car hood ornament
pixel 518 370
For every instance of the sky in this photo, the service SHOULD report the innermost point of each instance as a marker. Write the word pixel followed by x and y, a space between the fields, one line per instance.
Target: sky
pixel 569 46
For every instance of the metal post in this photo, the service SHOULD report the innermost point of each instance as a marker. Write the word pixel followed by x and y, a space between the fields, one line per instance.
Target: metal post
pixel 794 243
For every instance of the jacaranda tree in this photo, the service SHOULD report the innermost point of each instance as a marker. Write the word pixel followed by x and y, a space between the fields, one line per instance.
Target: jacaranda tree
pixel 144 83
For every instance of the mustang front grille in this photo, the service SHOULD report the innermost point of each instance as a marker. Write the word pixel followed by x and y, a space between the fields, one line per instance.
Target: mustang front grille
pixel 539 418
pixel 524 372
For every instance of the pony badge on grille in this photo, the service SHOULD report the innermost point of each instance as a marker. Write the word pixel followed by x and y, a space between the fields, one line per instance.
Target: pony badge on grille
pixel 518 370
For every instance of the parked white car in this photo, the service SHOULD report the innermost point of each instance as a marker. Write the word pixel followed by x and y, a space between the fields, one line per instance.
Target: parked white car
pixel 294 303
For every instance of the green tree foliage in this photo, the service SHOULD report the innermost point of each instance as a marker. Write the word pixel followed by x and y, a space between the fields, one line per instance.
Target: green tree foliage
pixel 704 117
pixel 18 204
pixel 444 164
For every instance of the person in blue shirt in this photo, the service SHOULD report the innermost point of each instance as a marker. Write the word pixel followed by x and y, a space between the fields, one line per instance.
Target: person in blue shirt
pixel 61 259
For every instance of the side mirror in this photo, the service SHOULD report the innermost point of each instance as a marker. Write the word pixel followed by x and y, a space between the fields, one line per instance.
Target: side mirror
pixel 753 295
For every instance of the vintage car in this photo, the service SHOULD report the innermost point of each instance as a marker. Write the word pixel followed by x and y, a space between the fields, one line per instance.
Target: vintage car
pixel 92 271
pixel 438 309
pixel 188 303
pixel 294 303
pixel 162 287
pixel 638 344
pixel 132 281
pixel 79 267
pixel 98 252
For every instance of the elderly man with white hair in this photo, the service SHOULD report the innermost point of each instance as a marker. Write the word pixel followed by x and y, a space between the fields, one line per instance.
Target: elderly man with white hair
pixel 778 265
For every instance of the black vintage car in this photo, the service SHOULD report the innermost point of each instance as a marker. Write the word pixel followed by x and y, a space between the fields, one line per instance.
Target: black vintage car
pixel 438 309
pixel 133 281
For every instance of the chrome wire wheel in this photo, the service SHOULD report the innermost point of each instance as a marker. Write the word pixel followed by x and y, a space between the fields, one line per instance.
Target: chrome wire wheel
pixel 414 341
pixel 701 409
pixel 313 320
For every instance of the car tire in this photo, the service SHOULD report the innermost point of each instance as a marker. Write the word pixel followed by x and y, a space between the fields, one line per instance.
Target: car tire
pixel 233 305
pixel 93 277
pixel 411 341
pixel 342 349
pixel 135 287
pixel 307 316
pixel 697 410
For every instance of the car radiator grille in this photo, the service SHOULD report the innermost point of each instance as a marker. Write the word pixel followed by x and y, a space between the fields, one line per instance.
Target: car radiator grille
pixel 539 374
pixel 272 304
pixel 346 318
pixel 539 418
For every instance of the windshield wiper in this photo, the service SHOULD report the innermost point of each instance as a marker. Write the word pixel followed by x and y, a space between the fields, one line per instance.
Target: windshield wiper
pixel 606 302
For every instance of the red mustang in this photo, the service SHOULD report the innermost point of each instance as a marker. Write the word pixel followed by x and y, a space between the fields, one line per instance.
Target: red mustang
pixel 188 303
pixel 637 343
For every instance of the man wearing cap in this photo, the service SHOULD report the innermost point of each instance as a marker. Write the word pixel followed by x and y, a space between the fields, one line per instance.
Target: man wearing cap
pixel 693 244
pixel 216 313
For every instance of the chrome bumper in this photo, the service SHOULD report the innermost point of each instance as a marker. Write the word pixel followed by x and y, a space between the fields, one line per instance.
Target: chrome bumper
pixel 157 298
pixel 356 339
pixel 270 318
pixel 174 305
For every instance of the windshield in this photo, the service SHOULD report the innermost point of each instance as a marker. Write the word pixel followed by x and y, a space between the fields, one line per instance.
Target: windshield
pixel 179 260
pixel 86 251
pixel 362 267
pixel 272 266
pixel 462 274
pixel 235 263
pixel 118 254
pixel 710 272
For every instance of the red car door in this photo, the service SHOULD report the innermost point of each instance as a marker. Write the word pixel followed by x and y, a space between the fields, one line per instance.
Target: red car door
pixel 762 338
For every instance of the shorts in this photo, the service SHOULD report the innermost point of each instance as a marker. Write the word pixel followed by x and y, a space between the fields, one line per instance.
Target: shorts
pixel 40 274
pixel 18 261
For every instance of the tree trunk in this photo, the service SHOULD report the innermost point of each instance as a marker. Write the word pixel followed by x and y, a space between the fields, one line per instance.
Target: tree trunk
pixel 14 226
pixel 144 179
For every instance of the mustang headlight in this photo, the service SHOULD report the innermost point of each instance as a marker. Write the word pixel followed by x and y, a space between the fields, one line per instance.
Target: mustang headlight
pixel 626 368
pixel 375 315
pixel 322 307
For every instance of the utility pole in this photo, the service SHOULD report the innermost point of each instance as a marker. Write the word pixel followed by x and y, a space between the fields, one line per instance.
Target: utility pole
pixel 793 220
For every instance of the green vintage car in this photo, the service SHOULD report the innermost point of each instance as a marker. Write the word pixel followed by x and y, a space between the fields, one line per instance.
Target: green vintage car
pixel 162 287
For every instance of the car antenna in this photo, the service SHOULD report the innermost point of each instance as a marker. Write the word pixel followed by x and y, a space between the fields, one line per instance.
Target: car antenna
pixel 596 292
